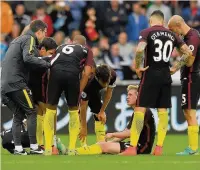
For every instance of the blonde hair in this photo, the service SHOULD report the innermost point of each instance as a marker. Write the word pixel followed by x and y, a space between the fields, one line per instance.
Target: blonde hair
pixel 132 87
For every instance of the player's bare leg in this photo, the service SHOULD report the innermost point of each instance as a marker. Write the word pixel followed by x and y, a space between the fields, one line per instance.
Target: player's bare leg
pixel 74 129
pixel 136 128
pixel 99 148
pixel 49 127
pixel 193 130
pixel 162 130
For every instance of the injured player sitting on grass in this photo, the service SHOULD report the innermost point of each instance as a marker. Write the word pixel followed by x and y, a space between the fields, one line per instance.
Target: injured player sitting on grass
pixel 115 141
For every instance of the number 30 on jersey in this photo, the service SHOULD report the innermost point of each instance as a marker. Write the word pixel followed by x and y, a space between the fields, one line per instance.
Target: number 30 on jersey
pixel 162 49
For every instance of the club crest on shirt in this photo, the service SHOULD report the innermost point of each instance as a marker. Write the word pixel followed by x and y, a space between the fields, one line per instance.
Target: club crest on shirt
pixel 83 95
pixel 191 47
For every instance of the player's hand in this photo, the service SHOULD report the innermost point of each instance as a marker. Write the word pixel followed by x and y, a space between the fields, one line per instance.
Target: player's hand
pixel 109 136
pixel 172 70
pixel 139 71
pixel 102 117
pixel 83 134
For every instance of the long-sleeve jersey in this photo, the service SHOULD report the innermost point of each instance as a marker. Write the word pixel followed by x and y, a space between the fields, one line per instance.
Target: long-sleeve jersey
pixel 20 58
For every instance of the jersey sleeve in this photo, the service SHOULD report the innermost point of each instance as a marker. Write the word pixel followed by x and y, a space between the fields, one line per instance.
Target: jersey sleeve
pixel 143 35
pixel 84 96
pixel 112 83
pixel 193 43
pixel 178 41
pixel 90 59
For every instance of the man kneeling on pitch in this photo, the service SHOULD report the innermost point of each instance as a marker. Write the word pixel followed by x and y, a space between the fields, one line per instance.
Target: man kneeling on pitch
pixel 116 145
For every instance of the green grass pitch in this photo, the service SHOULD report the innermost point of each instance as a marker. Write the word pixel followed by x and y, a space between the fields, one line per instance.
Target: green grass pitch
pixel 169 161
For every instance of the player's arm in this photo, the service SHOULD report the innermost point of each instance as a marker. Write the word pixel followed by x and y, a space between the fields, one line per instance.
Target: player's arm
pixel 139 57
pixel 30 58
pixel 107 97
pixel 88 70
pixel 139 54
pixel 101 115
pixel 186 59
pixel 185 50
pixel 83 111
pixel 118 136
pixel 85 77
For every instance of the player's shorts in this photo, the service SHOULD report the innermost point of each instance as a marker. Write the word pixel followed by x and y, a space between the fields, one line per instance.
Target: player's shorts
pixel 140 150
pixel 154 90
pixel 95 104
pixel 60 81
pixel 146 140
pixel 39 88
pixel 94 101
pixel 190 94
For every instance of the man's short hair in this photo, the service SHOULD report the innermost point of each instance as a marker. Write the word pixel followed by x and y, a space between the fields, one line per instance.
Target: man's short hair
pixel 48 43
pixel 158 13
pixel 132 87
pixel 37 25
pixel 103 73
pixel 79 39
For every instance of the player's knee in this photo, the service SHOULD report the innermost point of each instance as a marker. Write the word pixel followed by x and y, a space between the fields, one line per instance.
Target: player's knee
pixel 140 109
pixel 39 111
pixel 51 107
pixel 162 110
pixel 190 114
pixel 104 147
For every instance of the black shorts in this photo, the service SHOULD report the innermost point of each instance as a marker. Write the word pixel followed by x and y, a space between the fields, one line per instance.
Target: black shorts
pixel 60 81
pixel 154 90
pixel 38 85
pixel 94 102
pixel 190 94
pixel 39 92
pixel 140 149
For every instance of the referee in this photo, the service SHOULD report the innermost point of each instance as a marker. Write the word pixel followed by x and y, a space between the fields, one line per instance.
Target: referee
pixel 20 59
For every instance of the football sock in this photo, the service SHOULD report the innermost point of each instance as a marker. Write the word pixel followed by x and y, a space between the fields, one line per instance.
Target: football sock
pixel 136 127
pixel 100 131
pixel 49 128
pixel 34 146
pixel 74 125
pixel 89 150
pixel 193 137
pixel 40 129
pixel 19 148
pixel 162 127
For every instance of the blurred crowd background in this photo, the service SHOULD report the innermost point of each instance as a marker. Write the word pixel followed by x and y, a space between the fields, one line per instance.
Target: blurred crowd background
pixel 112 27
